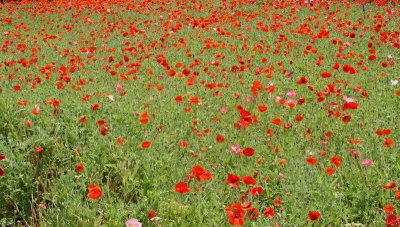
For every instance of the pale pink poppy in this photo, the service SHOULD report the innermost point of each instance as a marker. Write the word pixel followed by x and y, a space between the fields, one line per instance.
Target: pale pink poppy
pixel 367 162
pixel 291 93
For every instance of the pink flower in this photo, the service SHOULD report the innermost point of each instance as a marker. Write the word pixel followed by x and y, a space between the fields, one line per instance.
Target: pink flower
pixel 249 99
pixel 235 148
pixel 357 89
pixel 133 223
pixel 367 162
pixel 118 87
pixel 223 110
pixel 346 99
pixel 277 99
pixel 291 93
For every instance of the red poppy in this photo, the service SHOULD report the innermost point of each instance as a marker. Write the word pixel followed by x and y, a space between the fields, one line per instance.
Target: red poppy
pixel 36 110
pixel 257 191
pixel 398 195
pixel 388 209
pixel 299 118
pixel 302 80
pixel 181 187
pixel 390 186
pixel 178 99
pixel 2 156
pixel 1 171
pixel 120 141
pixel 336 66
pixel 388 142
pixel 94 192
pixel 262 108
pixel 311 161
pixel 252 213
pixel 171 73
pixel 151 215
pixel 314 215
pixel 269 213
pixel 346 118
pixel 233 180
pixel 22 103
pixel 326 74
pixel 201 174
pixel 336 161
pixel 82 119
pixel 248 151
pixel 219 138
pixel 146 144
pixel 235 214
pixel 79 168
pixel 104 129
pixel 249 180
pixel 330 171
pixel 38 149
pixel 392 220
pixel 95 106
pixel 277 201
pixel 276 121
pixel 17 88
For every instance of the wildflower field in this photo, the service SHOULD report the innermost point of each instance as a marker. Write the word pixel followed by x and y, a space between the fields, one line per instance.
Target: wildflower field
pixel 199 113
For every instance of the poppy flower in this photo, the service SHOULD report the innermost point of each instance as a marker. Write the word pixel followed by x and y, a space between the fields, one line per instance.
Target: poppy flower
pixel 38 149
pixel 392 220
pixel 249 180
pixel 269 213
pixel 277 202
pixel 28 124
pixel 314 216
pixel 82 119
pixel 252 213
pixel 201 174
pixel 94 192
pixel 336 161
pixel 326 74
pixel 95 106
pixel 219 138
pixel 36 110
pixel 330 171
pixel 104 129
pixel 302 80
pixel 388 209
pixel 388 142
pixel 248 151
pixel 146 144
pixel 151 216
pixel 262 108
pixel 311 161
pixel 233 180
pixel 235 214
pixel 346 118
pixel 2 156
pixel 390 186
pixel 257 191
pixel 79 168
pixel 398 195
pixel 1 171
pixel 276 121
pixel 182 187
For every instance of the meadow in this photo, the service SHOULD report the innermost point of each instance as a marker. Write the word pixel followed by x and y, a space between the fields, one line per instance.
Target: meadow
pixel 199 113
